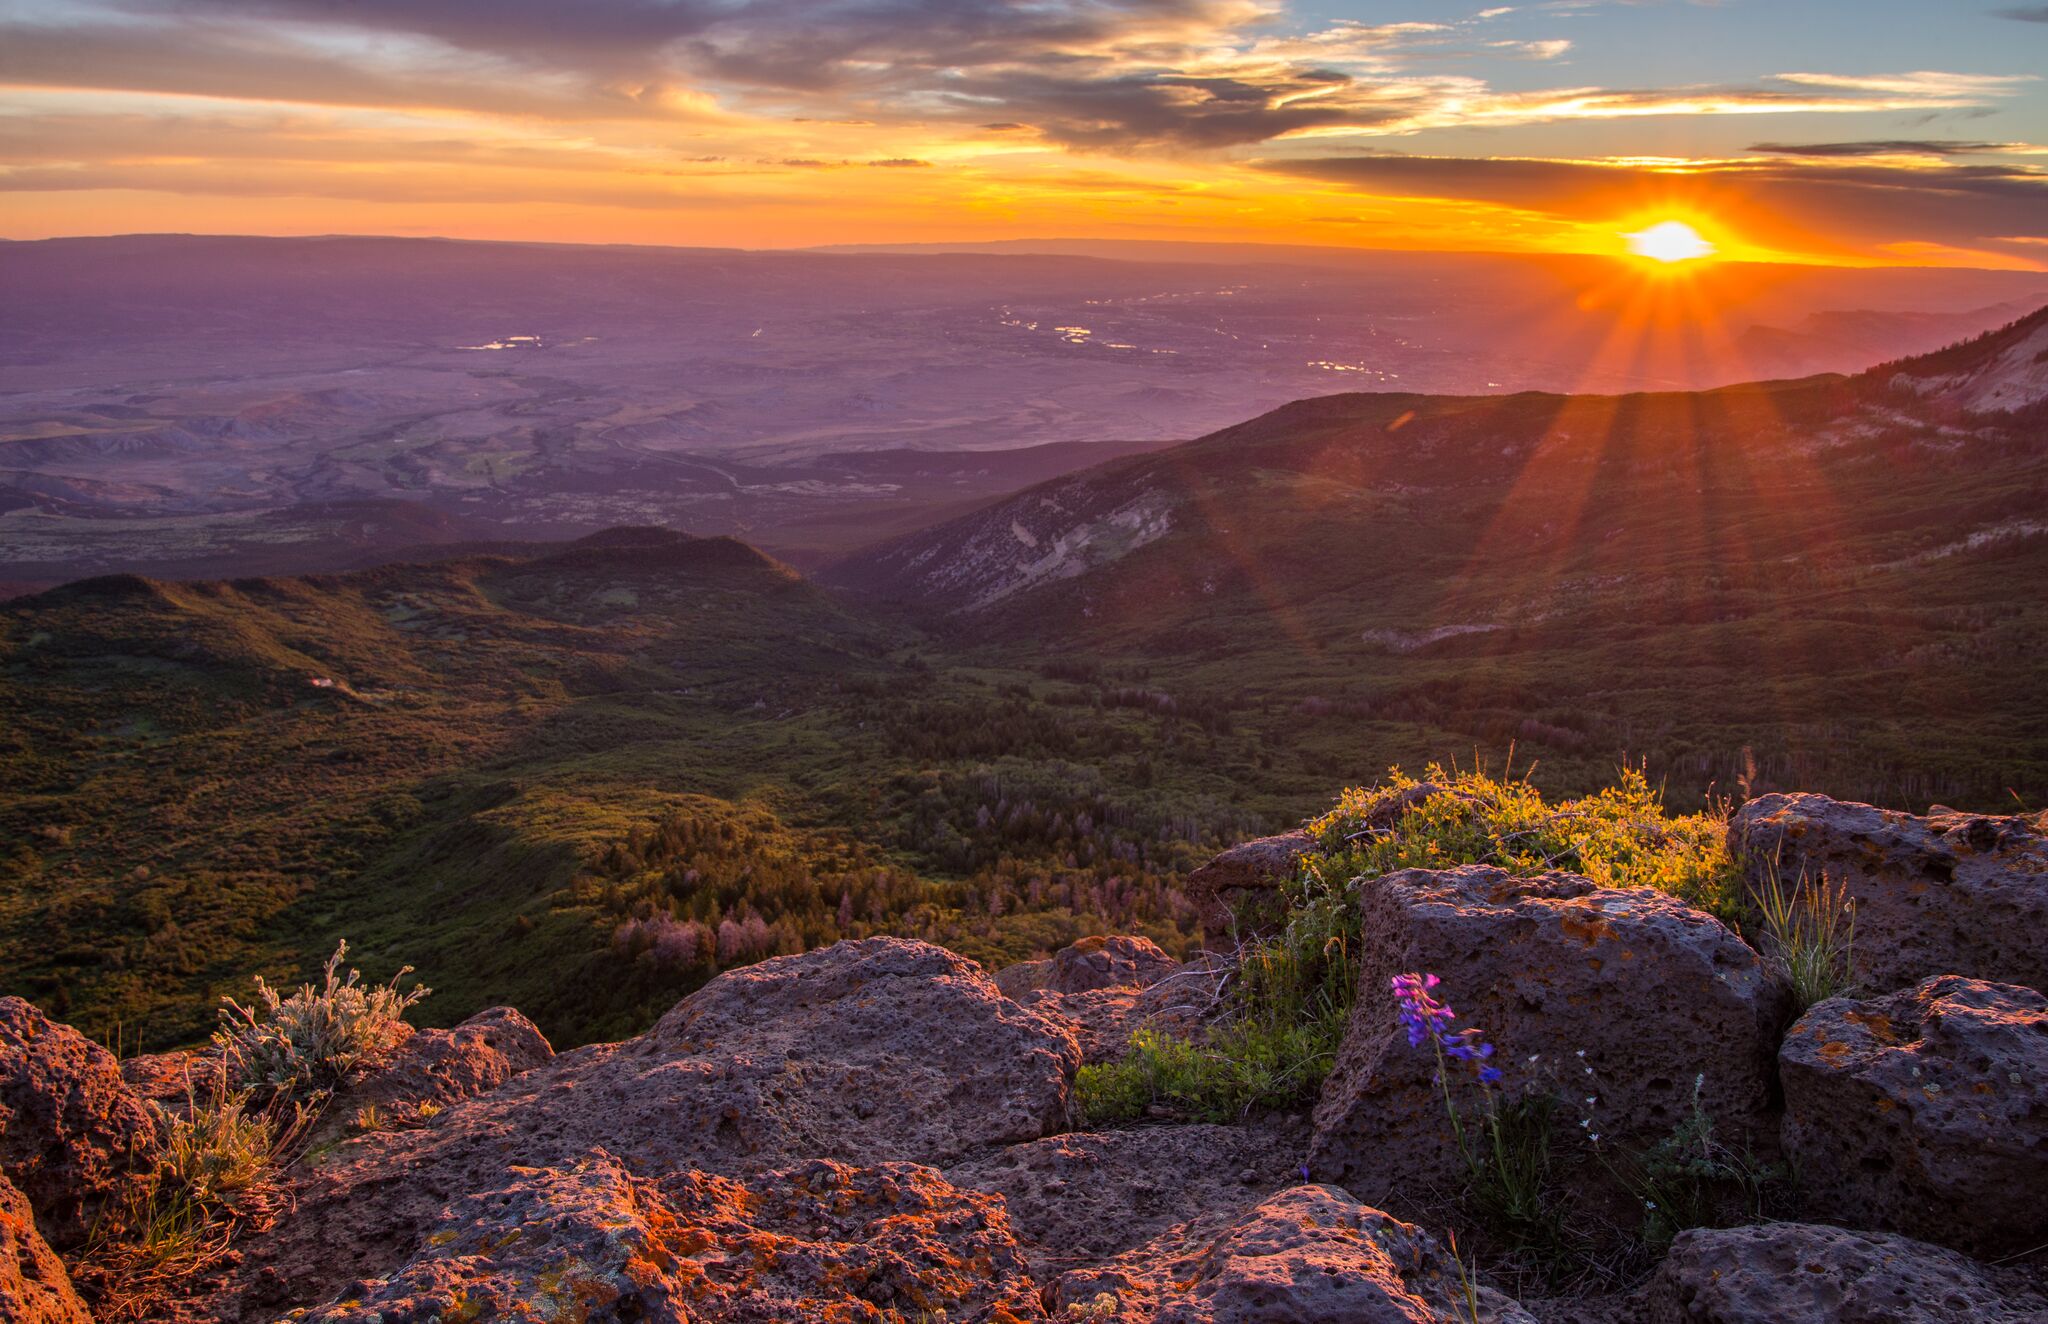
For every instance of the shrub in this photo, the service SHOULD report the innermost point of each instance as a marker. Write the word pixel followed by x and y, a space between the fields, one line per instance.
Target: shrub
pixel 309 1040
pixel 1618 837
pixel 1229 1073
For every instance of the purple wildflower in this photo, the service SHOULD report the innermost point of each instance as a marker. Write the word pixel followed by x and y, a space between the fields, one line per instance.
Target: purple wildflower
pixel 1427 1021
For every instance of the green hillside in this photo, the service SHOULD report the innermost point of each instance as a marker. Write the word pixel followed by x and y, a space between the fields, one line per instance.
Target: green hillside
pixel 582 780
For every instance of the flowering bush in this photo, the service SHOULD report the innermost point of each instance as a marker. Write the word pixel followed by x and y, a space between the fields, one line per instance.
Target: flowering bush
pixel 310 1039
pixel 1618 837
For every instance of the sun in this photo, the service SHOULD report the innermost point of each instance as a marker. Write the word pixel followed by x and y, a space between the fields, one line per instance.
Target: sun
pixel 1669 241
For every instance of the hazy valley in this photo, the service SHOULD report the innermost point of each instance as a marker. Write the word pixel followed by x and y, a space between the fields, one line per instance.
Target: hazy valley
pixel 273 406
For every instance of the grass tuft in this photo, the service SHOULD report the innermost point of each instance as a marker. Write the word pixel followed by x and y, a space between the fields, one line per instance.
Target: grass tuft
pixel 1809 934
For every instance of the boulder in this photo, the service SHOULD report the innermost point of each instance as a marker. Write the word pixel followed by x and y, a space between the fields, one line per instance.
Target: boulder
pixel 1087 1197
pixel 1925 1112
pixel 1619 1001
pixel 430 1069
pixel 866 1052
pixel 819 1241
pixel 34 1289
pixel 1802 1273
pixel 1947 894
pixel 1103 1020
pixel 1306 1253
pixel 70 1127
pixel 1089 964
pixel 1238 893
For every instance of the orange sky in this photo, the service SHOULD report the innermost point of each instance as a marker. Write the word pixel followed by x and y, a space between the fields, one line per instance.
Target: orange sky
pixel 1558 126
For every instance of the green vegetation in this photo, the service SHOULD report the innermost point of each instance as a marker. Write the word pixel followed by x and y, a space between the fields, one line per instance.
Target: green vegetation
pixel 1285 1015
pixel 309 1040
pixel 581 808
pixel 209 1174
pixel 1809 931
pixel 1691 1179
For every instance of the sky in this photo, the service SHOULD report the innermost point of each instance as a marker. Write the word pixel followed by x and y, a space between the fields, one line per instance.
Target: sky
pixel 1911 132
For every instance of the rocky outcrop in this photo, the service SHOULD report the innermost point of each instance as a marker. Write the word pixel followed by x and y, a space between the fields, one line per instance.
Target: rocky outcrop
pixel 1947 894
pixel 1088 1197
pixel 1801 1273
pixel 34 1289
pixel 1102 1020
pixel 1922 1112
pixel 1238 894
pixel 431 1069
pixel 1616 999
pixel 866 1052
pixel 819 1241
pixel 1091 963
pixel 1308 1253
pixel 69 1125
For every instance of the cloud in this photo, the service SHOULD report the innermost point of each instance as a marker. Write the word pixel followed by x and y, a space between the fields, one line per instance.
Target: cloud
pixel 1932 86
pixel 2025 13
pixel 1855 207
pixel 1886 147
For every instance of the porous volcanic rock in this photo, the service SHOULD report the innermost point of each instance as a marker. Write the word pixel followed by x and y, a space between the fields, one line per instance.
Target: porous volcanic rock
pixel 1103 1020
pixel 1925 1112
pixel 34 1289
pixel 1090 963
pixel 1947 894
pixel 1306 1253
pixel 868 1052
pixel 1237 894
pixel 820 1241
pixel 1803 1273
pixel 431 1069
pixel 1087 1197
pixel 1614 999
pixel 70 1127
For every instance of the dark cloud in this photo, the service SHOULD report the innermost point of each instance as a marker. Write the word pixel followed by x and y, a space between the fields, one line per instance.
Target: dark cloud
pixel 1853 206
pixel 250 65
pixel 902 163
pixel 788 43
pixel 1882 147
pixel 2025 13
pixel 1170 111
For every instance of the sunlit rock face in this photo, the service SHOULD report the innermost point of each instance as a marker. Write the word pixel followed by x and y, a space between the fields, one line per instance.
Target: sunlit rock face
pixel 865 1053
pixel 1307 1253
